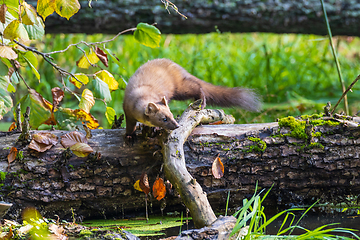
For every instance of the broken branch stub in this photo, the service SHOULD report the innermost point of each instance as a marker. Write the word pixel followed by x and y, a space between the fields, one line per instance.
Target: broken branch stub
pixel 190 191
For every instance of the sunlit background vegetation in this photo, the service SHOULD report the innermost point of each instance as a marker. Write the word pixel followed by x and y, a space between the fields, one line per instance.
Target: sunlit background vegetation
pixel 294 74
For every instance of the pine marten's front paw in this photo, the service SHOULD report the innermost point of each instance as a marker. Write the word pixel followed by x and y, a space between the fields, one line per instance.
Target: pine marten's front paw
pixel 130 139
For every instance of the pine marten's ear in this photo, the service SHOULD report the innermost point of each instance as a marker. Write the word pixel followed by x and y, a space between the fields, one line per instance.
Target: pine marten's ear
pixel 151 108
pixel 164 101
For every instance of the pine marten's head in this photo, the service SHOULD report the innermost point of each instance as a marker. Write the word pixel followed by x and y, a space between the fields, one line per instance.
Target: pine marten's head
pixel 159 115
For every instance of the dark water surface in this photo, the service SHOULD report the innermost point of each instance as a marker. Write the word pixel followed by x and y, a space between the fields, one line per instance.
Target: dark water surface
pixel 313 219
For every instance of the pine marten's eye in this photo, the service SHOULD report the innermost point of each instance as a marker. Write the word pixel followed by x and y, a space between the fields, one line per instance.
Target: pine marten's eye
pixel 165 119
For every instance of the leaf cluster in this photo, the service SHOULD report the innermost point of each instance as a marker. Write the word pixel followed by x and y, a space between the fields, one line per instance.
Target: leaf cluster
pixel 21 23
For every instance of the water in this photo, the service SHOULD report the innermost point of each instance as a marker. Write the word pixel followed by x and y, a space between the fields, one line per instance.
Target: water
pixel 316 217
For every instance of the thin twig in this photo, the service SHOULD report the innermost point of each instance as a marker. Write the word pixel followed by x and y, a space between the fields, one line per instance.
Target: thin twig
pixel 167 3
pixel 346 91
pixel 17 72
pixel 93 43
pixel 46 57
pixel 335 58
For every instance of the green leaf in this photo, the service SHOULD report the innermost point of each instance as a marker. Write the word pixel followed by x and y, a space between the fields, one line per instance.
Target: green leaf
pixel 147 35
pixel 6 102
pixel 101 89
pixel 3 69
pixel 67 8
pixel 110 115
pixel 30 58
pixel 11 88
pixel 12 3
pixel 37 30
pixel 39 108
pixel 66 120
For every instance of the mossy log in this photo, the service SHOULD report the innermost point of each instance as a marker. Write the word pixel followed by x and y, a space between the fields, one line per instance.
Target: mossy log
pixel 284 16
pixel 102 186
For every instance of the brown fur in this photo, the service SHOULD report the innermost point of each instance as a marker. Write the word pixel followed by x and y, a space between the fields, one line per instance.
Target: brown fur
pixel 160 80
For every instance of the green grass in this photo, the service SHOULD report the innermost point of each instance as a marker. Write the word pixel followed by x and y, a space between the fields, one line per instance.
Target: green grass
pixel 294 74
pixel 252 222
pixel 4 126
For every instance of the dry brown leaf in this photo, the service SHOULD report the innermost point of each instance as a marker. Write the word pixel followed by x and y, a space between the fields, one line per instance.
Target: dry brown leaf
pixel 217 168
pixel 58 231
pixel 57 95
pixel 39 147
pixel 12 155
pixel 45 138
pixel 12 126
pixel 81 149
pixel 102 56
pixel 159 189
pixel 3 9
pixel 144 183
pixel 71 138
pixel 8 52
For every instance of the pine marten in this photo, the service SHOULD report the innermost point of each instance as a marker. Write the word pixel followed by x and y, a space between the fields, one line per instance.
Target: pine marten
pixel 160 80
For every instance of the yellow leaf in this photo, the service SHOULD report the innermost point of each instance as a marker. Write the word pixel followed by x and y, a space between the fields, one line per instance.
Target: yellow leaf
pixel 8 52
pixel 67 8
pixel 137 185
pixel 12 30
pixel 45 7
pixel 92 122
pixel 81 149
pixel 29 14
pixel 81 77
pixel 87 100
pixel 108 78
pixel 84 62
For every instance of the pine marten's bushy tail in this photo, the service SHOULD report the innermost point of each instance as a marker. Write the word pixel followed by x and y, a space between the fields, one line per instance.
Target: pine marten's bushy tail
pixel 231 97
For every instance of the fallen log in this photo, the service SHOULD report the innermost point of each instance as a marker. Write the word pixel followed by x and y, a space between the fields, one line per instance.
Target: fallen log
pixel 302 171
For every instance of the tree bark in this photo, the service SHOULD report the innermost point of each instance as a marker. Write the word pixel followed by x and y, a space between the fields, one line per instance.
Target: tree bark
pixel 103 186
pixel 206 16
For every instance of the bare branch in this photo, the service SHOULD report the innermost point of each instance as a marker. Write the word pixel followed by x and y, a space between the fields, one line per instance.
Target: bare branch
pixel 93 43
pixel 47 58
pixel 167 3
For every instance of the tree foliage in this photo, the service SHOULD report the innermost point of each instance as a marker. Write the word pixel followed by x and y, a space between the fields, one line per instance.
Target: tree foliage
pixel 22 24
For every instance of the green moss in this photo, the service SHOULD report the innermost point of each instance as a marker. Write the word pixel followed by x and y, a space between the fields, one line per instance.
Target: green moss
pixel 316 145
pixel 319 122
pixel 311 146
pixel 260 145
pixel 20 155
pixel 2 175
pixel 317 134
pixel 314 116
pixel 85 232
pixel 297 127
